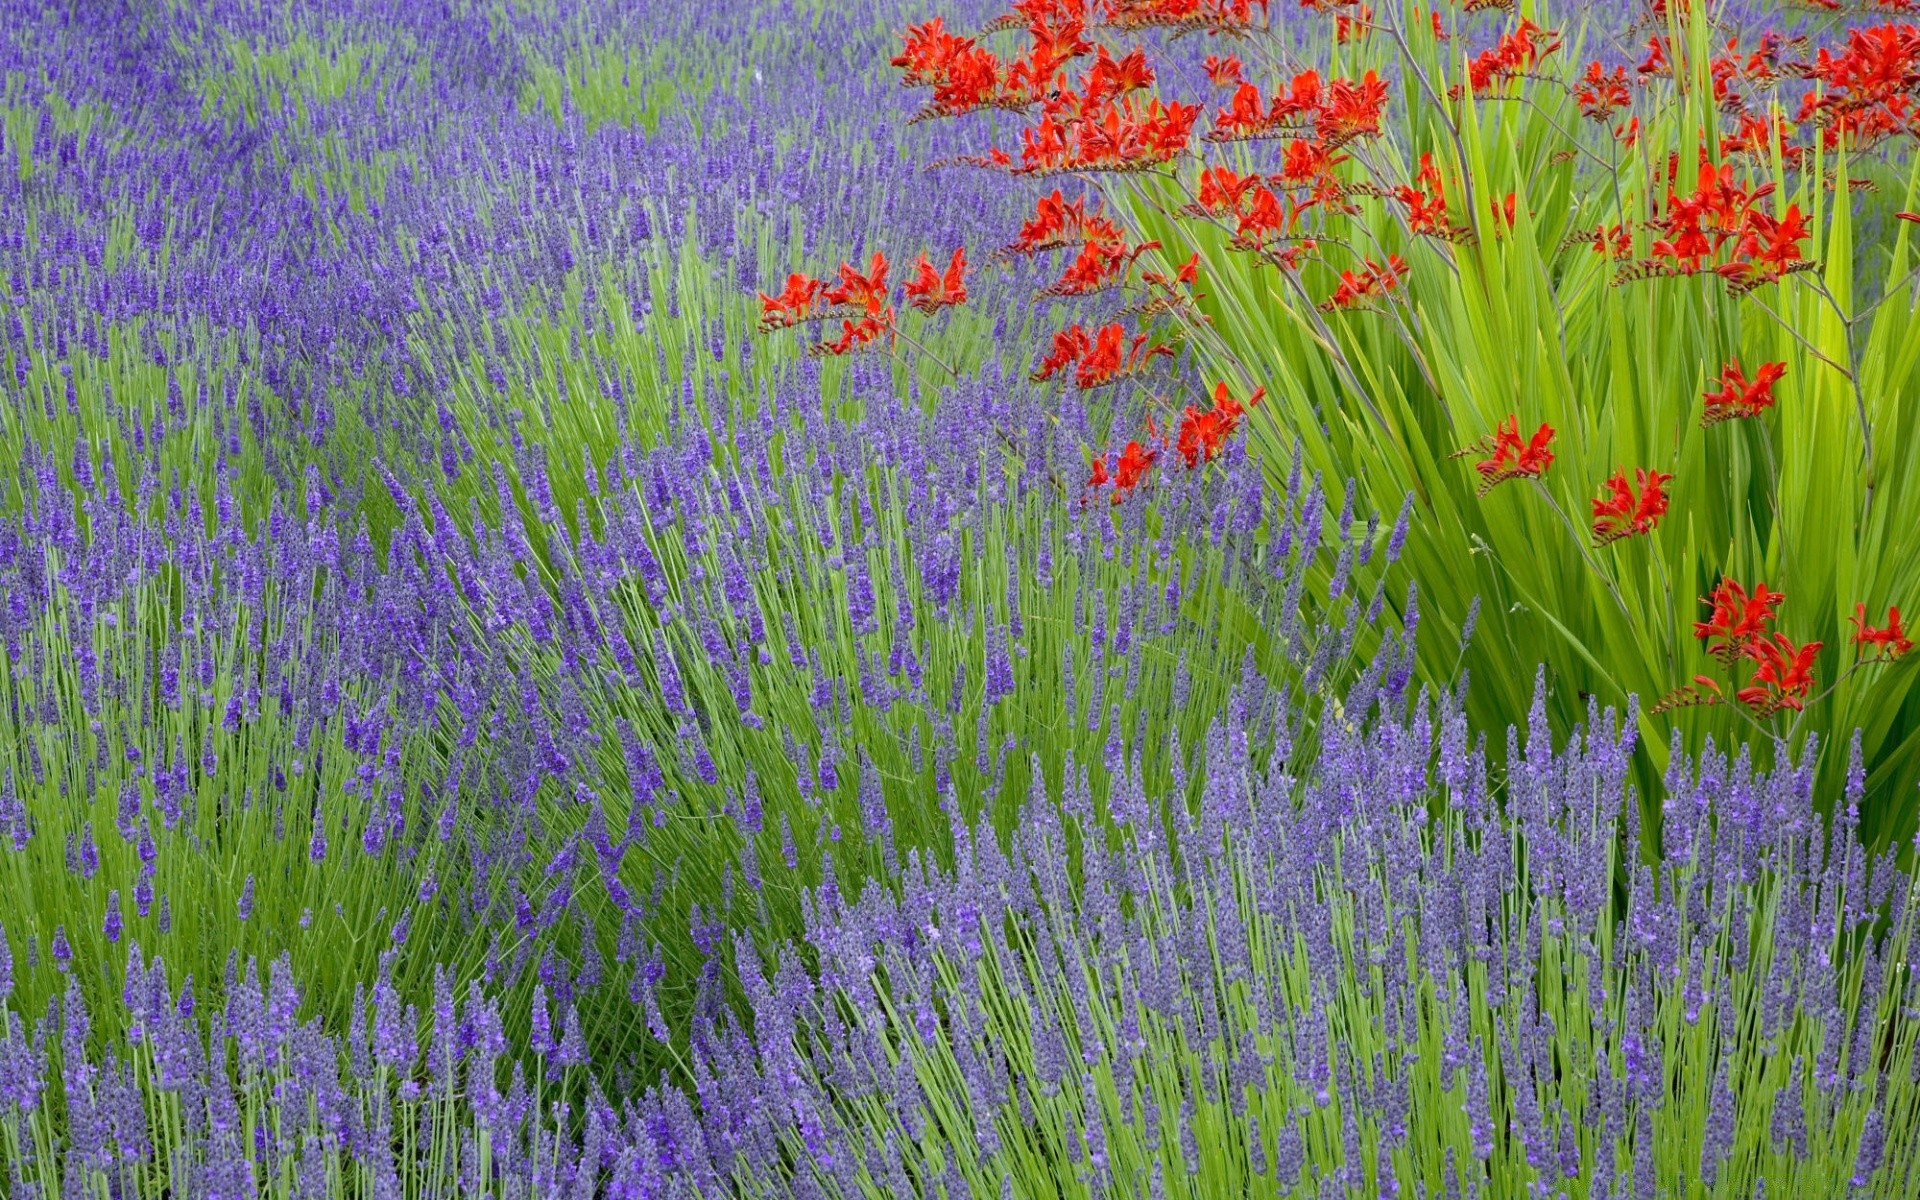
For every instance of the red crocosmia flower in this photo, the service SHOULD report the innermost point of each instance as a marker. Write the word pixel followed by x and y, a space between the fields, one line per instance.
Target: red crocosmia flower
pixel 1068 345
pixel 853 336
pixel 1886 643
pixel 1600 93
pixel 1352 109
pixel 1907 216
pixel 1629 508
pixel 1774 243
pixel 1656 59
pixel 794 304
pixel 1098 359
pixel 1186 276
pixel 1129 470
pixel 1353 28
pixel 1110 77
pixel 867 292
pixel 1784 676
pixel 1056 223
pixel 1223 72
pixel 1739 618
pixel 1514 54
pixel 1363 287
pixel 1738 398
pixel 1306 161
pixel 1098 266
pixel 1222 191
pixel 1509 457
pixel 1204 431
pixel 929 290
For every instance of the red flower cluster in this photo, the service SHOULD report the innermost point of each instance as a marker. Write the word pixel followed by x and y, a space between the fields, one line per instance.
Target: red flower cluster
pixel 1719 227
pixel 1426 202
pixel 1056 223
pixel 867 295
pixel 1601 94
pixel 1739 618
pixel 930 291
pixel 1515 53
pixel 1099 265
pixel 1738 398
pixel 1337 111
pixel 1867 91
pixel 1128 470
pixel 1106 136
pixel 1366 286
pixel 795 303
pixel 1098 359
pixel 966 77
pixel 1507 456
pixel 1625 509
pixel 860 300
pixel 1204 431
pixel 1783 678
pixel 1883 644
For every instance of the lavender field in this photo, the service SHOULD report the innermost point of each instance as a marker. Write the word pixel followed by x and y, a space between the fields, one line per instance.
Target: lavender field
pixel 943 598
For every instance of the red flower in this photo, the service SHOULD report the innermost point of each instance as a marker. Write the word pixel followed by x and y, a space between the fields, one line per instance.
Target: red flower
pixel 1508 457
pixel 793 305
pixel 1352 109
pixel 1362 287
pixel 1627 509
pixel 1057 223
pixel 1784 677
pixel 1514 54
pixel 1775 242
pixel 1098 359
pixel 1068 345
pixel 929 290
pixel 1128 471
pixel 1224 72
pixel 1098 266
pixel 1739 618
pixel 1881 644
pixel 1737 397
pixel 853 335
pixel 1222 191
pixel 1601 93
pixel 1204 431
pixel 1353 28
pixel 867 292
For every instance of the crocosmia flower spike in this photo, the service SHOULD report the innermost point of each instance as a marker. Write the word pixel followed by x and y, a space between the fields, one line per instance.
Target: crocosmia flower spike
pixel 1508 456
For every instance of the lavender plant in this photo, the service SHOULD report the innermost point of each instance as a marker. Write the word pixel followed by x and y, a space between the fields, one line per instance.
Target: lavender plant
pixel 1338 965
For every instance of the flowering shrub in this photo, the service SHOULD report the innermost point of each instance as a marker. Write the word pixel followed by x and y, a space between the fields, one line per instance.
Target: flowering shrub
pixel 1417 223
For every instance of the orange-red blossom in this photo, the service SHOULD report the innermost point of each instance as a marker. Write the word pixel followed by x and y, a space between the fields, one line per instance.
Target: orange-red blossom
pixel 1738 398
pixel 929 290
pixel 1887 642
pixel 1129 469
pixel 1626 508
pixel 1204 431
pixel 1739 618
pixel 1098 359
pixel 1783 678
pixel 1508 456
